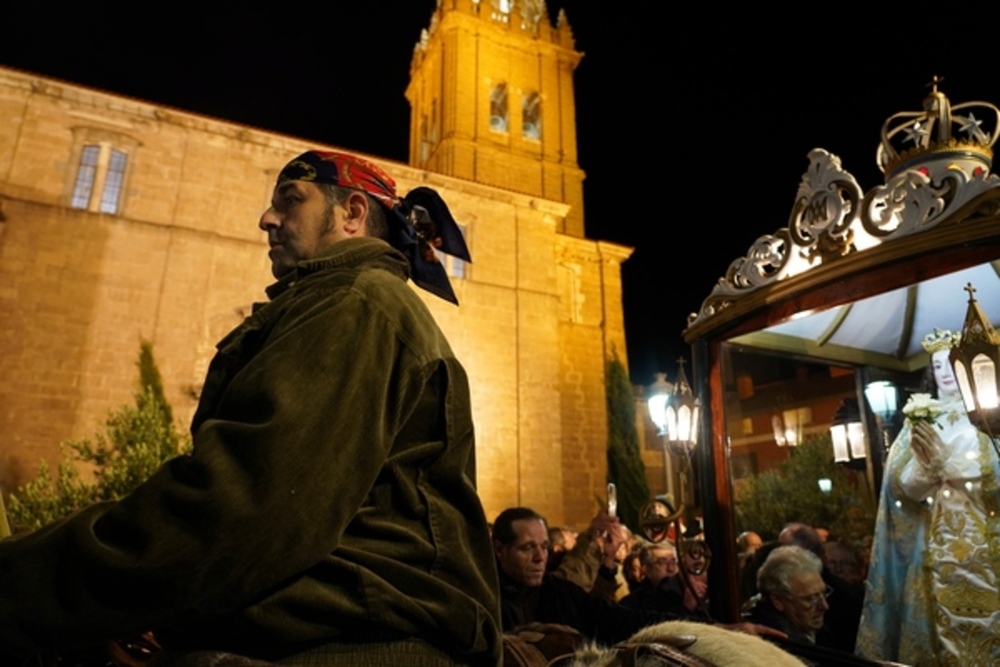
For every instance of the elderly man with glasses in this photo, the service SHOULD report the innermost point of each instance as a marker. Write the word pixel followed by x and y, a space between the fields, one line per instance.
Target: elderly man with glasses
pixel 793 597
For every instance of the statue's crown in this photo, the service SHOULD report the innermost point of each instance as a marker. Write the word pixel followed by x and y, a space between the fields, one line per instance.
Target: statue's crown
pixel 941 339
pixel 939 133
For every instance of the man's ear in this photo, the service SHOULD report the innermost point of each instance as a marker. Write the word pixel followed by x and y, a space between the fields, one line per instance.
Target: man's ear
pixel 498 549
pixel 356 206
pixel 777 601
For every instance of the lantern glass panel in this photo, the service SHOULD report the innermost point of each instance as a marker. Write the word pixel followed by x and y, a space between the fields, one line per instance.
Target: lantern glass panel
pixel 962 376
pixel 671 427
pixel 684 424
pixel 856 438
pixel 658 411
pixel 838 433
pixel 984 375
pixel 881 397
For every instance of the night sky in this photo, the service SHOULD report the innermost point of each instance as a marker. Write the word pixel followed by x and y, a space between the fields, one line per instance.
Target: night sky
pixel 693 123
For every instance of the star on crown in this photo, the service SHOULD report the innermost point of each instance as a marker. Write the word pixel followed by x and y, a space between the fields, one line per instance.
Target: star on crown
pixel 912 139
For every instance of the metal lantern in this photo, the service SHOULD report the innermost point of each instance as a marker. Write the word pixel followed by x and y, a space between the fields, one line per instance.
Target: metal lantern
pixel 676 415
pixel 847 432
pixel 976 361
pixel 881 397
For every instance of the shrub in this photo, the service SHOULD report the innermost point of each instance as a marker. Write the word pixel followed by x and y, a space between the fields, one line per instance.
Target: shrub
pixel 790 492
pixel 137 439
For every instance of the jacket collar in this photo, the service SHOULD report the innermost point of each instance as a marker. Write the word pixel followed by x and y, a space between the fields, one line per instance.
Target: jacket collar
pixel 348 253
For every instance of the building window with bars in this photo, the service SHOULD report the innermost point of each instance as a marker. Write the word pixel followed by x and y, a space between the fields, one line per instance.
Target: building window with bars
pixel 100 179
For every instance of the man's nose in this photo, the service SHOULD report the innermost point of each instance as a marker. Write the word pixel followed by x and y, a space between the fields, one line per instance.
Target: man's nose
pixel 539 554
pixel 268 219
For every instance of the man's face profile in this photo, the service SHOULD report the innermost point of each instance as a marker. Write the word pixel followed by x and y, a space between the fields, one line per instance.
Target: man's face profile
pixel 300 224
pixel 523 560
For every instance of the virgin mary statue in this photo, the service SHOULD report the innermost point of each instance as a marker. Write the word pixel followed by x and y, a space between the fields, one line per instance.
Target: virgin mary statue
pixel 931 598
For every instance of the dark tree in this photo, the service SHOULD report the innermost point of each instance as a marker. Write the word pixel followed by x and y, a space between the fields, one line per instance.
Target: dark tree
pixel 625 466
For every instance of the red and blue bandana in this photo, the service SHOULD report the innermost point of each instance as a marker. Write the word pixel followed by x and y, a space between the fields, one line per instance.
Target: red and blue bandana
pixel 342 169
pixel 419 223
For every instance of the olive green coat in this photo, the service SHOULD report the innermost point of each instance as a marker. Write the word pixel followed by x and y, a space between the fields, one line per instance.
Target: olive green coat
pixel 329 497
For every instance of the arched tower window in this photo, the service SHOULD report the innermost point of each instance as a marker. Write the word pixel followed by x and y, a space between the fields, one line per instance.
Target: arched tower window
pixel 501 10
pixel 531 116
pixel 498 108
pixel 531 13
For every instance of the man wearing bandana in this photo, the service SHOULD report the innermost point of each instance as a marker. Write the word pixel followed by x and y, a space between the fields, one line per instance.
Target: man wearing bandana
pixel 327 515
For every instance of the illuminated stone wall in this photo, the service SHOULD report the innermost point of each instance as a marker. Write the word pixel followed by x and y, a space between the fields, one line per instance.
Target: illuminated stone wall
pixel 182 261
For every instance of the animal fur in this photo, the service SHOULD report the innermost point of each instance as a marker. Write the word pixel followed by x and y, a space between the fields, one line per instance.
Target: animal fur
pixel 720 647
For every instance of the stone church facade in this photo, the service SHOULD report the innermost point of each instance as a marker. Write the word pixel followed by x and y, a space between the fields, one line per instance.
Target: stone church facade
pixel 123 221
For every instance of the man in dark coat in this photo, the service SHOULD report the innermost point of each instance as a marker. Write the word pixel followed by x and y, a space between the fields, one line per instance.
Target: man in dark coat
pixel 528 594
pixel 793 596
pixel 845 600
pixel 327 514
pixel 661 589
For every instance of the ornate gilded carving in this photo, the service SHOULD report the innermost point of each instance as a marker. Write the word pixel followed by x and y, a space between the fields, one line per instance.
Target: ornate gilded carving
pixel 819 229
pixel 826 205
pixel 912 202
pixel 927 183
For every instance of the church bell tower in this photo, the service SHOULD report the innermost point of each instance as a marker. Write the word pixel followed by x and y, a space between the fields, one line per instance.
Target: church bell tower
pixel 491 98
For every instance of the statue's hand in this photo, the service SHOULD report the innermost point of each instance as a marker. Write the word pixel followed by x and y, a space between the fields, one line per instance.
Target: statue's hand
pixel 927 445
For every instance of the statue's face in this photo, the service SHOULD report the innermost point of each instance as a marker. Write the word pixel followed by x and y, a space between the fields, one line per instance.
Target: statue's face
pixel 944 377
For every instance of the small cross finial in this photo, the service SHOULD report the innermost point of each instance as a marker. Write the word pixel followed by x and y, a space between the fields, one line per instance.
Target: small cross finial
pixel 681 386
pixel 971 290
pixel 935 80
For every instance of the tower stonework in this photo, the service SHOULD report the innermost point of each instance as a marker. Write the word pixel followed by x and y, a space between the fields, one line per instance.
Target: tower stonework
pixel 123 221
pixel 491 96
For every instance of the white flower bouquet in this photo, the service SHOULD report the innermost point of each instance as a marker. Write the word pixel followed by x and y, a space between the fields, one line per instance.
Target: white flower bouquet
pixel 922 408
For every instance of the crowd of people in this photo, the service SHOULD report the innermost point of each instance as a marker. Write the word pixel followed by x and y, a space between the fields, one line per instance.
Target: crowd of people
pixel 606 582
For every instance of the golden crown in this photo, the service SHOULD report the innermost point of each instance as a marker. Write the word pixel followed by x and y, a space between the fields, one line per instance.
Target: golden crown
pixel 911 139
pixel 941 339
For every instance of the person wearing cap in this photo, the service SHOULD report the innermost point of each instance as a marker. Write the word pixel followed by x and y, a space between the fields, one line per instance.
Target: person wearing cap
pixel 327 514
